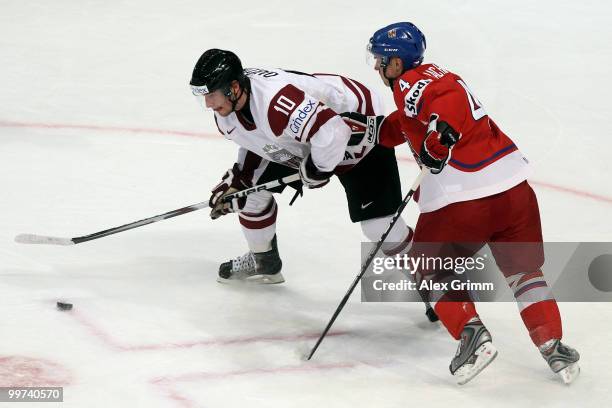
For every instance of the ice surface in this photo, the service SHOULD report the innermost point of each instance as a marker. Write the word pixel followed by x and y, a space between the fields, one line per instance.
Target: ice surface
pixel 98 128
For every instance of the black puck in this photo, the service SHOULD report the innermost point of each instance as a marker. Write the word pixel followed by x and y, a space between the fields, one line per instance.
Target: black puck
pixel 64 306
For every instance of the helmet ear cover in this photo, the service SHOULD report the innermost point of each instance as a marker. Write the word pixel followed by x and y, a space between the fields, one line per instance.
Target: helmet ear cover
pixel 227 91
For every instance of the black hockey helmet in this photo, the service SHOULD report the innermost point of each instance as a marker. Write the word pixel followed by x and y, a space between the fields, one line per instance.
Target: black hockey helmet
pixel 216 69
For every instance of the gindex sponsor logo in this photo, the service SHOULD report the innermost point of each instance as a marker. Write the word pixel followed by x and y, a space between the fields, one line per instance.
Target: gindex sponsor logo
pixel 300 116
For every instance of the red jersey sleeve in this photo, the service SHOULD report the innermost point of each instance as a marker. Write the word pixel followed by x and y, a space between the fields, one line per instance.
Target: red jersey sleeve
pixel 390 133
pixel 448 101
pixel 395 131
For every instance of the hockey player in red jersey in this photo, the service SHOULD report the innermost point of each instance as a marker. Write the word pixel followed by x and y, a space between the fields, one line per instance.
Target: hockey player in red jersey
pixel 476 192
pixel 286 122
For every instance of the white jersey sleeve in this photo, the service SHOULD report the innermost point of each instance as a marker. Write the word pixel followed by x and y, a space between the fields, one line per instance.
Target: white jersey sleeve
pixel 296 114
pixel 328 145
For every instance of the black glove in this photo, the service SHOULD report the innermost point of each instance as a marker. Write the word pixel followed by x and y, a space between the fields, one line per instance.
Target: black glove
pixel 436 148
pixel 362 126
pixel 311 176
pixel 231 182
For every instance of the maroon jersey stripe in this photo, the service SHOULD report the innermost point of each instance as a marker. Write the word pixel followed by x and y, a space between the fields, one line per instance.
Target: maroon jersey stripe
pixel 245 123
pixel 322 118
pixel 251 163
pixel 368 98
pixel 217 123
pixel 354 90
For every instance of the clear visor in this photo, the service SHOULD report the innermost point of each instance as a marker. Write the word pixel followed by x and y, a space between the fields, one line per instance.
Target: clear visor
pixel 372 59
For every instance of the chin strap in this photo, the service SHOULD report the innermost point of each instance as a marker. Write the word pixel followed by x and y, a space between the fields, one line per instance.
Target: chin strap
pixel 245 86
pixel 384 68
pixel 235 100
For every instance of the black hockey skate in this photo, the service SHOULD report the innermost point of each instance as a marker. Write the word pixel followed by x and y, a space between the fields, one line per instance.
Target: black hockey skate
pixel 475 352
pixel 562 359
pixel 253 267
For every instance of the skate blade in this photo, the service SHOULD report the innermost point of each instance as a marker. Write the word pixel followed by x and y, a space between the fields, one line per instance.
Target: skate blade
pixel 486 354
pixel 569 373
pixel 255 279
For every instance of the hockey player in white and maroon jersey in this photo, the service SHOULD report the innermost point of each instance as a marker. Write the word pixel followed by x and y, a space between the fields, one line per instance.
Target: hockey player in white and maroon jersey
pixel 286 122
pixel 476 193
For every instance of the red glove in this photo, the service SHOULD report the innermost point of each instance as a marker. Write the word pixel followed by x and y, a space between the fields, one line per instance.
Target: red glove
pixel 436 148
pixel 231 182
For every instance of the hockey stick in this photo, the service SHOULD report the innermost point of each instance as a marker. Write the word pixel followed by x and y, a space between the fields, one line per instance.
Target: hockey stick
pixel 44 239
pixel 368 261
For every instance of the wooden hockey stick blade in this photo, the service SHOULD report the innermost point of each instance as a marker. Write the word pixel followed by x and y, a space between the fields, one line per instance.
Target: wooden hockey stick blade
pixel 42 239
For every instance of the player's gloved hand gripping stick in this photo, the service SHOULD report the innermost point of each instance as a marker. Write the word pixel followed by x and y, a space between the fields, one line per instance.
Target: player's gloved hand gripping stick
pixel 45 239
pixel 370 258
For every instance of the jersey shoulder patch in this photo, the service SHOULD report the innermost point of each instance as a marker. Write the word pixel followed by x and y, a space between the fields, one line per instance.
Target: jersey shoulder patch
pixel 282 106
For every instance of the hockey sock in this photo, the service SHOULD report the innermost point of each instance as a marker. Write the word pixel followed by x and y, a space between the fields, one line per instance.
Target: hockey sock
pixel 258 221
pixel 543 321
pixel 537 306
pixel 454 315
pixel 399 238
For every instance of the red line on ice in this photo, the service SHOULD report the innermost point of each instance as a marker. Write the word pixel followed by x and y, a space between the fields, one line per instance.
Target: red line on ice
pixel 95 331
pixel 33 125
pixel 305 367
pixel 109 341
pixel 166 384
pixel 573 191
pixel 228 341
pixel 5 123
pixel 174 395
pixel 551 186
pixel 32 371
